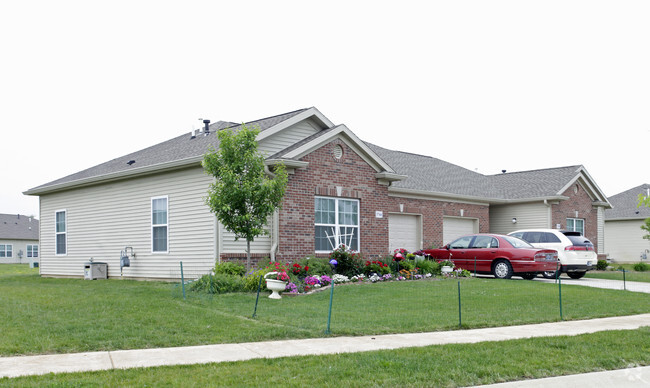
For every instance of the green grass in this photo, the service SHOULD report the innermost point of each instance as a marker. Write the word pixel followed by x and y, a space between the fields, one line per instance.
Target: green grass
pixel 46 315
pixel 432 366
pixel 630 275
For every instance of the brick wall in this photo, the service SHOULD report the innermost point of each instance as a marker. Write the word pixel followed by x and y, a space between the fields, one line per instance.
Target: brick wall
pixel 578 202
pixel 356 179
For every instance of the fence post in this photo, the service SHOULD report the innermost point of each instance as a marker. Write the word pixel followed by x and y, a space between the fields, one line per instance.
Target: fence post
pixel 182 280
pixel 460 320
pixel 329 314
pixel 259 287
pixel 560 288
pixel 624 286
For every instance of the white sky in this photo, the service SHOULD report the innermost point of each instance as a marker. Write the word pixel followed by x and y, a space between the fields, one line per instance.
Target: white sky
pixel 487 85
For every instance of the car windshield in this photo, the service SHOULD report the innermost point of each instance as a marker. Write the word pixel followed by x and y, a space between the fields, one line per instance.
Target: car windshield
pixel 516 242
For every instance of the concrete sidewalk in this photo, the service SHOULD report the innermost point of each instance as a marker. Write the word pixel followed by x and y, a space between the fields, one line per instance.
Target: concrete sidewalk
pixel 121 359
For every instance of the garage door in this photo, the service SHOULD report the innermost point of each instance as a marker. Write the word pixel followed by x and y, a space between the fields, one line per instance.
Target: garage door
pixel 404 232
pixel 452 228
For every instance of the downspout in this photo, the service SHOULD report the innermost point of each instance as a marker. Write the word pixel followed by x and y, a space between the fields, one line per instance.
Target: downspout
pixel 275 227
pixel 550 214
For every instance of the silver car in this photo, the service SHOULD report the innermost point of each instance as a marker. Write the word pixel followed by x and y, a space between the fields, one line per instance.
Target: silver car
pixel 575 252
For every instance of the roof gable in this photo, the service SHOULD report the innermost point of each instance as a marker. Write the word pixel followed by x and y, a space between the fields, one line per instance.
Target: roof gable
pixel 625 204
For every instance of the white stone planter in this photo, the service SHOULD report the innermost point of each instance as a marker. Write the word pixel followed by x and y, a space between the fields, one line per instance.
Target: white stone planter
pixel 276 286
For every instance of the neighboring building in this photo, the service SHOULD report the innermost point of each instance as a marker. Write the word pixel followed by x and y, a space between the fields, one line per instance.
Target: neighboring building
pixel 341 190
pixel 18 239
pixel 624 242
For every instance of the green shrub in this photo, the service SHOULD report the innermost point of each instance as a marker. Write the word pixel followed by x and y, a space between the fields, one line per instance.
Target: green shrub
pixel 428 266
pixel 348 262
pixel 230 268
pixel 601 265
pixel 220 283
pixel 252 280
pixel 317 265
pixel 641 267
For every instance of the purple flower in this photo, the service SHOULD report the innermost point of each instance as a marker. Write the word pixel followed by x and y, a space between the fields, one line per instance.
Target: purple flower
pixel 325 280
pixel 334 262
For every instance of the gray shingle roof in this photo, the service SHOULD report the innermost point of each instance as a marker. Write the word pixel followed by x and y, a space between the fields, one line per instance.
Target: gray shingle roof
pixel 18 227
pixel 535 183
pixel 178 148
pixel 625 204
pixel 426 173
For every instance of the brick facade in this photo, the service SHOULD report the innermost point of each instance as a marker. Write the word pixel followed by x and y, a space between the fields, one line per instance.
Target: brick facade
pixel 352 177
pixel 580 206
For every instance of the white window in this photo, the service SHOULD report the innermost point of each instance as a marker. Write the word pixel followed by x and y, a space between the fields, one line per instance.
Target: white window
pixel 61 233
pixel 159 225
pixel 6 250
pixel 336 223
pixel 32 250
pixel 576 225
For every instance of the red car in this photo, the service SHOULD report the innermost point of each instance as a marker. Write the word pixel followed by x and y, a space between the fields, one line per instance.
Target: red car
pixel 501 256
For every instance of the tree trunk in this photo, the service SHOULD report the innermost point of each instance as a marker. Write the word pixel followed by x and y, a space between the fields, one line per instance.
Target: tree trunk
pixel 248 255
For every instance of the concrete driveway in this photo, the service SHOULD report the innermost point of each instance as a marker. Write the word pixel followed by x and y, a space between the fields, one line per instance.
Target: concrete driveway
pixel 602 283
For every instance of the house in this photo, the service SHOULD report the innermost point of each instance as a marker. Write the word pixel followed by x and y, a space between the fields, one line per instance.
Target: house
pixel 341 190
pixel 624 242
pixel 18 239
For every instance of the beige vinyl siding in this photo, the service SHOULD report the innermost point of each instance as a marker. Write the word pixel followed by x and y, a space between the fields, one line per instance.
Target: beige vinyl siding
pixel 624 240
pixel 261 244
pixel 288 137
pixel 528 215
pixel 104 219
pixel 16 247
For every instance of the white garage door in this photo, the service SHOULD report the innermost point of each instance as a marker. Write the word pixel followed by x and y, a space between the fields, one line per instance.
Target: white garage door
pixel 404 232
pixel 452 228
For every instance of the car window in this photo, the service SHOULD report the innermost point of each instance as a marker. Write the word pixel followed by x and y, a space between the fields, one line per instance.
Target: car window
pixel 518 235
pixel 485 242
pixel 551 238
pixel 516 242
pixel 461 243
pixel 580 241
pixel 533 237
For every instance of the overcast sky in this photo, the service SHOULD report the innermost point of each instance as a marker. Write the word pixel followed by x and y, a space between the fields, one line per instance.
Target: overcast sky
pixel 487 85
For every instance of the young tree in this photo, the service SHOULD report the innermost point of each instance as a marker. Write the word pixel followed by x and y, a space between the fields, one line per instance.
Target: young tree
pixel 644 200
pixel 245 194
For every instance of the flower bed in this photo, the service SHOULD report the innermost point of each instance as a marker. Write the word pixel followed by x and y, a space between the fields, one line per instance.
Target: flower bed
pixel 342 266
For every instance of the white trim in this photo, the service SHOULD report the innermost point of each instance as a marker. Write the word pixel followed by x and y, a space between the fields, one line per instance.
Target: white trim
pixel 65 218
pixel 166 225
pixel 311 112
pixel 336 225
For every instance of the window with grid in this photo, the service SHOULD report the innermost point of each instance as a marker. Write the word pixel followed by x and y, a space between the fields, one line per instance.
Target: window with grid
pixel 32 250
pixel 336 223
pixel 576 225
pixel 61 233
pixel 159 225
pixel 6 250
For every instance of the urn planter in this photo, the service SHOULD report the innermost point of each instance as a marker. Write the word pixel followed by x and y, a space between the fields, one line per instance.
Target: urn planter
pixel 276 286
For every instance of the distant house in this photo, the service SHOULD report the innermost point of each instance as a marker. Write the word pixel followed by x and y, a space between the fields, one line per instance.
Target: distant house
pixel 341 190
pixel 18 239
pixel 624 240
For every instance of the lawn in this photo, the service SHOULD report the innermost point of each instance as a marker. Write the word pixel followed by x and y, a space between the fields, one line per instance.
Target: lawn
pixel 432 366
pixel 46 315
pixel 630 274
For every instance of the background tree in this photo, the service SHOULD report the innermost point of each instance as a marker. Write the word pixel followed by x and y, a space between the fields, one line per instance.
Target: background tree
pixel 244 195
pixel 644 200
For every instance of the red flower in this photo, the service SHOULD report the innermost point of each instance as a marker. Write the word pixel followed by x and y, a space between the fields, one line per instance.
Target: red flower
pixel 306 268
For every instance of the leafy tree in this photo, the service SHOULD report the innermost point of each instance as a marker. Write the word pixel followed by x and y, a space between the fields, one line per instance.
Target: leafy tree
pixel 244 194
pixel 644 200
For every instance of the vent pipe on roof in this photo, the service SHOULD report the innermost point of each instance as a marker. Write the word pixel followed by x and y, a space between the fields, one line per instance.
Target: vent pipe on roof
pixel 503 171
pixel 207 127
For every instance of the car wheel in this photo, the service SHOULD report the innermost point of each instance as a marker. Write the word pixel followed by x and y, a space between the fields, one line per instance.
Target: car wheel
pixel 529 275
pixel 549 274
pixel 576 275
pixel 502 269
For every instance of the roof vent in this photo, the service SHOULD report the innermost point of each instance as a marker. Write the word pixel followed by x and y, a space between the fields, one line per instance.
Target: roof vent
pixel 206 131
pixel 503 171
pixel 130 162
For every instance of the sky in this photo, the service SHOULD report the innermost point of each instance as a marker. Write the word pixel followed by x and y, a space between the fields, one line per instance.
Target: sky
pixel 487 85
